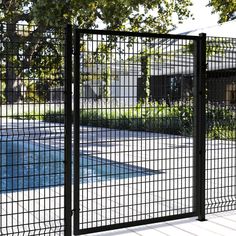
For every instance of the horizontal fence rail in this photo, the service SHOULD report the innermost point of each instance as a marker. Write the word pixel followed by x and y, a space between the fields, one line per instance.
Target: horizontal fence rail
pixel 136 34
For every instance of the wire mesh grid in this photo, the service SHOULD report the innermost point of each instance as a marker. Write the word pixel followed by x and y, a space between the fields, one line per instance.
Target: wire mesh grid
pixel 135 129
pixel 221 125
pixel 133 139
pixel 32 130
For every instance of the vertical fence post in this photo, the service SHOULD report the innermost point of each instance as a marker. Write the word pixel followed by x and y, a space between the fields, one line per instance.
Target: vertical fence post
pixel 68 130
pixel 199 124
pixel 76 129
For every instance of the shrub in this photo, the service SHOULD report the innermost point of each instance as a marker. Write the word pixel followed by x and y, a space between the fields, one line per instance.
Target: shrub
pixel 29 116
pixel 220 132
pixel 176 118
pixel 217 115
pixel 2 91
pixel 57 117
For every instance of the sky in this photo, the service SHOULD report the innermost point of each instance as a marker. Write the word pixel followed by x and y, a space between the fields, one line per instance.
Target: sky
pixel 204 22
pixel 202 17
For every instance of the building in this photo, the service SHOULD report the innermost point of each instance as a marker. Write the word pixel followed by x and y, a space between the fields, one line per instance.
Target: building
pixel 169 74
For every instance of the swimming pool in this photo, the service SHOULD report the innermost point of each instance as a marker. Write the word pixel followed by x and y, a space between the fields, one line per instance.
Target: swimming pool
pixel 29 165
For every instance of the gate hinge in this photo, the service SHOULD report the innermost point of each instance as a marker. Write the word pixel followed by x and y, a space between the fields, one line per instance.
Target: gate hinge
pixel 72 212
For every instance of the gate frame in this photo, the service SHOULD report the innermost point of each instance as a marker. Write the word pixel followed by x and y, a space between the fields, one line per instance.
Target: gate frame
pixel 199 123
pixel 199 70
pixel 68 132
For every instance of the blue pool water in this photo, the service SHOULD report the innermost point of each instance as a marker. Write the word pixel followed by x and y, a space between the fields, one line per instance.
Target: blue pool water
pixel 28 165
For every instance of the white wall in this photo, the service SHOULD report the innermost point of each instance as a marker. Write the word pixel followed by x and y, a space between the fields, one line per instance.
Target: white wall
pixel 124 90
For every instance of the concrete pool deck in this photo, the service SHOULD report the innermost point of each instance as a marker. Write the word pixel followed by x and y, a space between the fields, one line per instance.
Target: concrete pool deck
pixel 220 224
pixel 122 200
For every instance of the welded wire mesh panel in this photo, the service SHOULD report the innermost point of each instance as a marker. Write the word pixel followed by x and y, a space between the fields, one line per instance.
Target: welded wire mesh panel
pixel 31 130
pixel 135 129
pixel 221 125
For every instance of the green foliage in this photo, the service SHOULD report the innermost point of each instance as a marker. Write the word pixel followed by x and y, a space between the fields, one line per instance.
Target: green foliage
pixel 153 117
pixel 2 84
pixel 30 116
pixel 226 9
pixel 36 57
pixel 222 132
pixel 146 71
pixel 161 118
pixel 102 57
pixel 214 46
pixel 216 115
pixel 2 95
pixel 51 17
pixel 220 122
pixel 57 117
pixel 140 15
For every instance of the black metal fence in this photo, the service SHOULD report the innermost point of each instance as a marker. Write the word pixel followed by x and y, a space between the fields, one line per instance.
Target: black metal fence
pixel 153 127
pixel 221 125
pixel 32 168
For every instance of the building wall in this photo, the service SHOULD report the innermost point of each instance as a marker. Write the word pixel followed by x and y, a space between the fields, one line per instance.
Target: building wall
pixel 124 90
pixel 221 89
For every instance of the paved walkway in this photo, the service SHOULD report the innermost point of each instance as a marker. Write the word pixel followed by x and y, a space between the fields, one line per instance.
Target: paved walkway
pixel 220 224
pixel 168 192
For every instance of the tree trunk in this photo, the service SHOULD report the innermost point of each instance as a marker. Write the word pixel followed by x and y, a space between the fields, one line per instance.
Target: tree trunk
pixel 144 80
pixel 13 83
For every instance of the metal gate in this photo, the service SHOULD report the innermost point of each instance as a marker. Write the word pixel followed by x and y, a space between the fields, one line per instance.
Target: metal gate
pixel 138 130
pixel 145 111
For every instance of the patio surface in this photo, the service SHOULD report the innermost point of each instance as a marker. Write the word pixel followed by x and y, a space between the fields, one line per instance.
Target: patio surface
pixel 170 196
pixel 220 224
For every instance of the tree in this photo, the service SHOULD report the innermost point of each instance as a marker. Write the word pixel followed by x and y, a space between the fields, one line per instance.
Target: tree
pixel 226 9
pixel 51 16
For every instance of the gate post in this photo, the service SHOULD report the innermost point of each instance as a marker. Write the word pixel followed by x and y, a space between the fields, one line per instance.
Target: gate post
pixel 199 124
pixel 68 131
pixel 76 128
